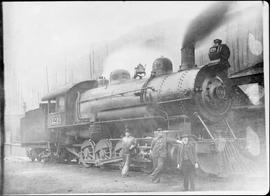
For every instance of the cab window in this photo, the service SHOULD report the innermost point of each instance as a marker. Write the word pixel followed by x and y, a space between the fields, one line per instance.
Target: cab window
pixel 52 104
pixel 61 104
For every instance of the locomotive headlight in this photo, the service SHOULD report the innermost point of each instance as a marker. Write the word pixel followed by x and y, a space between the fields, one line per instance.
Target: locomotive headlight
pixel 220 92
pixel 216 91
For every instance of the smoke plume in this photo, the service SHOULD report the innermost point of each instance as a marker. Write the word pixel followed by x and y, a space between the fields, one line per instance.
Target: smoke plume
pixel 205 23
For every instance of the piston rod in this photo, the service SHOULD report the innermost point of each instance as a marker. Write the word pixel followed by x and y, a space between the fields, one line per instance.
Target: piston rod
pixel 226 122
pixel 199 117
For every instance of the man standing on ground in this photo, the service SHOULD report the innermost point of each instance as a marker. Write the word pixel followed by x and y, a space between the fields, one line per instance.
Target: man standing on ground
pixel 159 154
pixel 128 144
pixel 187 161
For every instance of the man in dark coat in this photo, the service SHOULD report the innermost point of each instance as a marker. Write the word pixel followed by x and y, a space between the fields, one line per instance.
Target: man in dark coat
pixel 159 154
pixel 222 52
pixel 187 161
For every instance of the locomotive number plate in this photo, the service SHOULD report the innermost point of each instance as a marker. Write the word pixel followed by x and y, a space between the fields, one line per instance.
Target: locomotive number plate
pixel 54 119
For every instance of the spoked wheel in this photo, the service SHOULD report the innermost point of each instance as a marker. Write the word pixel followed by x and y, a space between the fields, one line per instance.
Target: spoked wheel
pixel 87 153
pixel 103 150
pixel 118 149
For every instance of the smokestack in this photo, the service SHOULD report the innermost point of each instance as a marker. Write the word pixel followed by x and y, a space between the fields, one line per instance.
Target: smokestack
pixel 187 57
pixel 199 28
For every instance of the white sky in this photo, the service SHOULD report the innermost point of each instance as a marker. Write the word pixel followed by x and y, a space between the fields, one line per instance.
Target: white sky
pixel 39 34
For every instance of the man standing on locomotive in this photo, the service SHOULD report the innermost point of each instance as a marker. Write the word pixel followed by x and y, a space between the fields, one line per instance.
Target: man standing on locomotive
pixel 159 154
pixel 128 145
pixel 187 161
pixel 222 52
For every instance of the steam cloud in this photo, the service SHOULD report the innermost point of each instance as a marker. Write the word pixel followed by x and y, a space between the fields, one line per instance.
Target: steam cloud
pixel 205 23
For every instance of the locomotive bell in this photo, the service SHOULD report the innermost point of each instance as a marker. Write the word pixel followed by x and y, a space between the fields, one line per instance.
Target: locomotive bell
pixel 162 66
pixel 119 75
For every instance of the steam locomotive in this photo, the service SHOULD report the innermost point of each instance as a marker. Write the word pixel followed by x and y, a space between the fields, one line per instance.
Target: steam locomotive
pixel 83 122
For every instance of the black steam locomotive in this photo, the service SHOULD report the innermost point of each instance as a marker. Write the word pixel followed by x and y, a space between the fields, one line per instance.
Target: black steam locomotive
pixel 84 121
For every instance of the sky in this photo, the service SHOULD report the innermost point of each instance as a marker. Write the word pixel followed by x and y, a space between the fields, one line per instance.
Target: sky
pixel 51 35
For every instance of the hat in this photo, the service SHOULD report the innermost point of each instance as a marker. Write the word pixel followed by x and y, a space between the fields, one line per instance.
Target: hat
pixel 159 129
pixel 127 129
pixel 219 41
pixel 188 136
pixel 184 135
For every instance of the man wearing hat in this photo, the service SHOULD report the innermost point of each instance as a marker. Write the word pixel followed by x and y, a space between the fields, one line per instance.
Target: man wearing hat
pixel 222 52
pixel 128 144
pixel 159 154
pixel 187 161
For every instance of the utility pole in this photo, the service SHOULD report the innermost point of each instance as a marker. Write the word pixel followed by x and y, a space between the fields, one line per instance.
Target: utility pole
pixel 17 95
pixel 47 79
pixel 38 98
pixel 56 78
pixel 107 50
pixel 65 73
pixel 71 75
pixel 24 107
pixel 93 68
pixel 90 67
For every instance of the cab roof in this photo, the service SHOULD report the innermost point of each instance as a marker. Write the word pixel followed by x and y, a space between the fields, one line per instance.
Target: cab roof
pixel 68 87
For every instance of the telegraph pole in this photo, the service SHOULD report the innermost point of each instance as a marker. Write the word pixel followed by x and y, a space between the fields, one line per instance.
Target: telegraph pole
pixel 71 75
pixel 90 67
pixel 65 73
pixel 47 79
pixel 93 67
pixel 107 50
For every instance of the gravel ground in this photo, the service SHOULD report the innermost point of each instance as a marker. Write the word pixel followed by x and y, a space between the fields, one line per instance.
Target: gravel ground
pixel 21 176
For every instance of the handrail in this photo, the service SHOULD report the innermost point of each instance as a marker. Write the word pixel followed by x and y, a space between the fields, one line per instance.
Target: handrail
pixel 114 95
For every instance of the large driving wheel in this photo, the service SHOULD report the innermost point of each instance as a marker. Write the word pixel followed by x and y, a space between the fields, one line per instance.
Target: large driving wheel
pixel 87 153
pixel 103 150
pixel 118 149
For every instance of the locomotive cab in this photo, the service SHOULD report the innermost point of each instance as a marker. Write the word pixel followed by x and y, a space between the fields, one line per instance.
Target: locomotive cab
pixel 62 103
